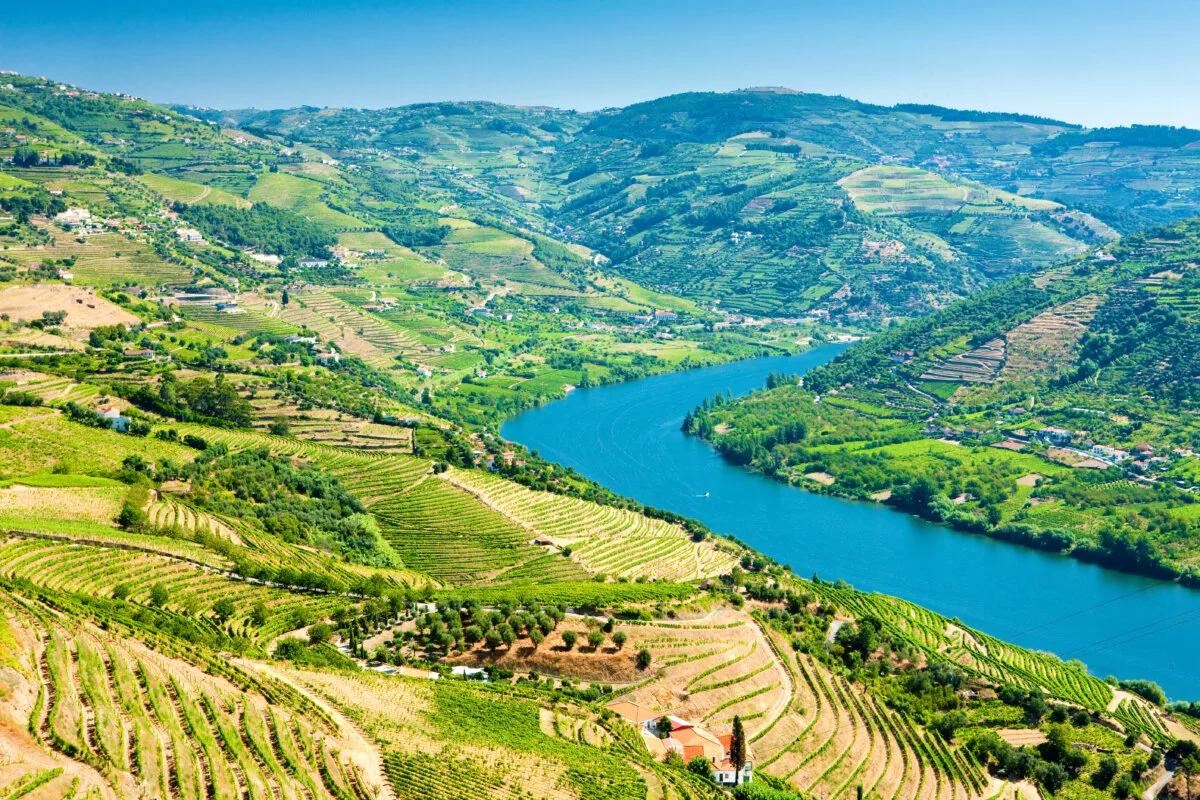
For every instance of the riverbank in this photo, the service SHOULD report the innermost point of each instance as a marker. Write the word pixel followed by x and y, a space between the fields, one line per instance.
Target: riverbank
pixel 627 438
pixel 945 511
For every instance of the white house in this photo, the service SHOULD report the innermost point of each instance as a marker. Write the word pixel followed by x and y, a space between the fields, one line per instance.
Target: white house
pixel 688 741
pixel 116 420
pixel 189 235
pixel 73 217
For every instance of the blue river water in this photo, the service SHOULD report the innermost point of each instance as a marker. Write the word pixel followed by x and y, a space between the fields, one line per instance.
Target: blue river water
pixel 627 436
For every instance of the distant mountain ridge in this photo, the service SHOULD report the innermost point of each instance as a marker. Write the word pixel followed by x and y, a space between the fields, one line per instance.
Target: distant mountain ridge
pixel 740 199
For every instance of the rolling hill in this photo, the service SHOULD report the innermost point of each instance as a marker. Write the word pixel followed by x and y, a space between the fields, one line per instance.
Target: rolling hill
pixel 1056 409
pixel 259 537
pixel 779 202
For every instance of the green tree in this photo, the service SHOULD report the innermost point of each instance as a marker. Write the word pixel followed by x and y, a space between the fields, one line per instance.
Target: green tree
pixel 737 749
pixel 319 633
pixel 569 638
pixel 595 639
pixel 700 766
pixel 159 595
pixel 224 609
pixel 619 638
pixel 643 659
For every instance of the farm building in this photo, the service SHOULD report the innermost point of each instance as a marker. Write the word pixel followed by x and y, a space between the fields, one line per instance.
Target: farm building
pixel 115 419
pixel 687 740
pixel 73 217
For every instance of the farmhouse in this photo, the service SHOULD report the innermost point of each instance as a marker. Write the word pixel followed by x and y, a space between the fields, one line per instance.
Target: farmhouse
pixel 265 258
pixel 687 740
pixel 73 217
pixel 189 236
pixel 115 419
pixel 1103 451
pixel 1054 435
pixel 313 263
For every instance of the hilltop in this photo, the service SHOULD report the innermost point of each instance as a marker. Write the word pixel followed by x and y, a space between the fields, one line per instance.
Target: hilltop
pixel 783 203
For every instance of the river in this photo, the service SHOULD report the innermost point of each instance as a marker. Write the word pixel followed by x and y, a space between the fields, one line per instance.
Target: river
pixel 627 436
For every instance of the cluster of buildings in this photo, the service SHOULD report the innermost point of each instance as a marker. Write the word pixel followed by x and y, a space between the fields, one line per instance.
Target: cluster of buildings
pixel 687 740
pixel 1079 450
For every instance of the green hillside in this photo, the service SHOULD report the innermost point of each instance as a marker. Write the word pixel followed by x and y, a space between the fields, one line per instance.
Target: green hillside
pixel 1057 410
pixel 260 538
pixel 772 201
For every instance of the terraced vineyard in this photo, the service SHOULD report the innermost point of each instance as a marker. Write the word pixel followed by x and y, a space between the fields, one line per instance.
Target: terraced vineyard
pixel 355 331
pixel 1046 342
pixel 601 539
pixel 449 739
pixel 978 365
pixel 806 725
pixel 165 511
pixel 52 389
pixel 110 259
pixel 445 532
pixel 245 321
pixel 975 651
pixel 328 426
pixel 154 724
pixel 99 571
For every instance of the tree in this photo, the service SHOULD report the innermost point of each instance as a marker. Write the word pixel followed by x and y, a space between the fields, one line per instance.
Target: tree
pixel 700 766
pixel 279 426
pixel 1051 776
pixel 26 156
pixel 258 614
pixel 285 298
pixel 569 638
pixel 643 658
pixel 619 639
pixel 159 595
pixel 224 609
pixel 536 636
pixel 595 639
pixel 664 725
pixel 121 591
pixel 1105 771
pixel 319 633
pixel 737 749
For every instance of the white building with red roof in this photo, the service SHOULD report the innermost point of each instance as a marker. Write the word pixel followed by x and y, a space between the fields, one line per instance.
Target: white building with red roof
pixel 687 740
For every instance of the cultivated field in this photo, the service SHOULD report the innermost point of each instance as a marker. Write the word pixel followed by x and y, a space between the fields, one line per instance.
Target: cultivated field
pixel 601 539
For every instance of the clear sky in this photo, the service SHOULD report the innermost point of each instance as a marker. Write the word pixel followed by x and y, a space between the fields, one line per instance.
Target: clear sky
pixel 1094 61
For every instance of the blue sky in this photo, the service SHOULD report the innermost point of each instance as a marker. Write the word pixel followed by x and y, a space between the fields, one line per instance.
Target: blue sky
pixel 1095 62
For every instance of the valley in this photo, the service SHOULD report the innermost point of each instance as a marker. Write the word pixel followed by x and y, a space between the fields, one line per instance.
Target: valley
pixel 309 488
